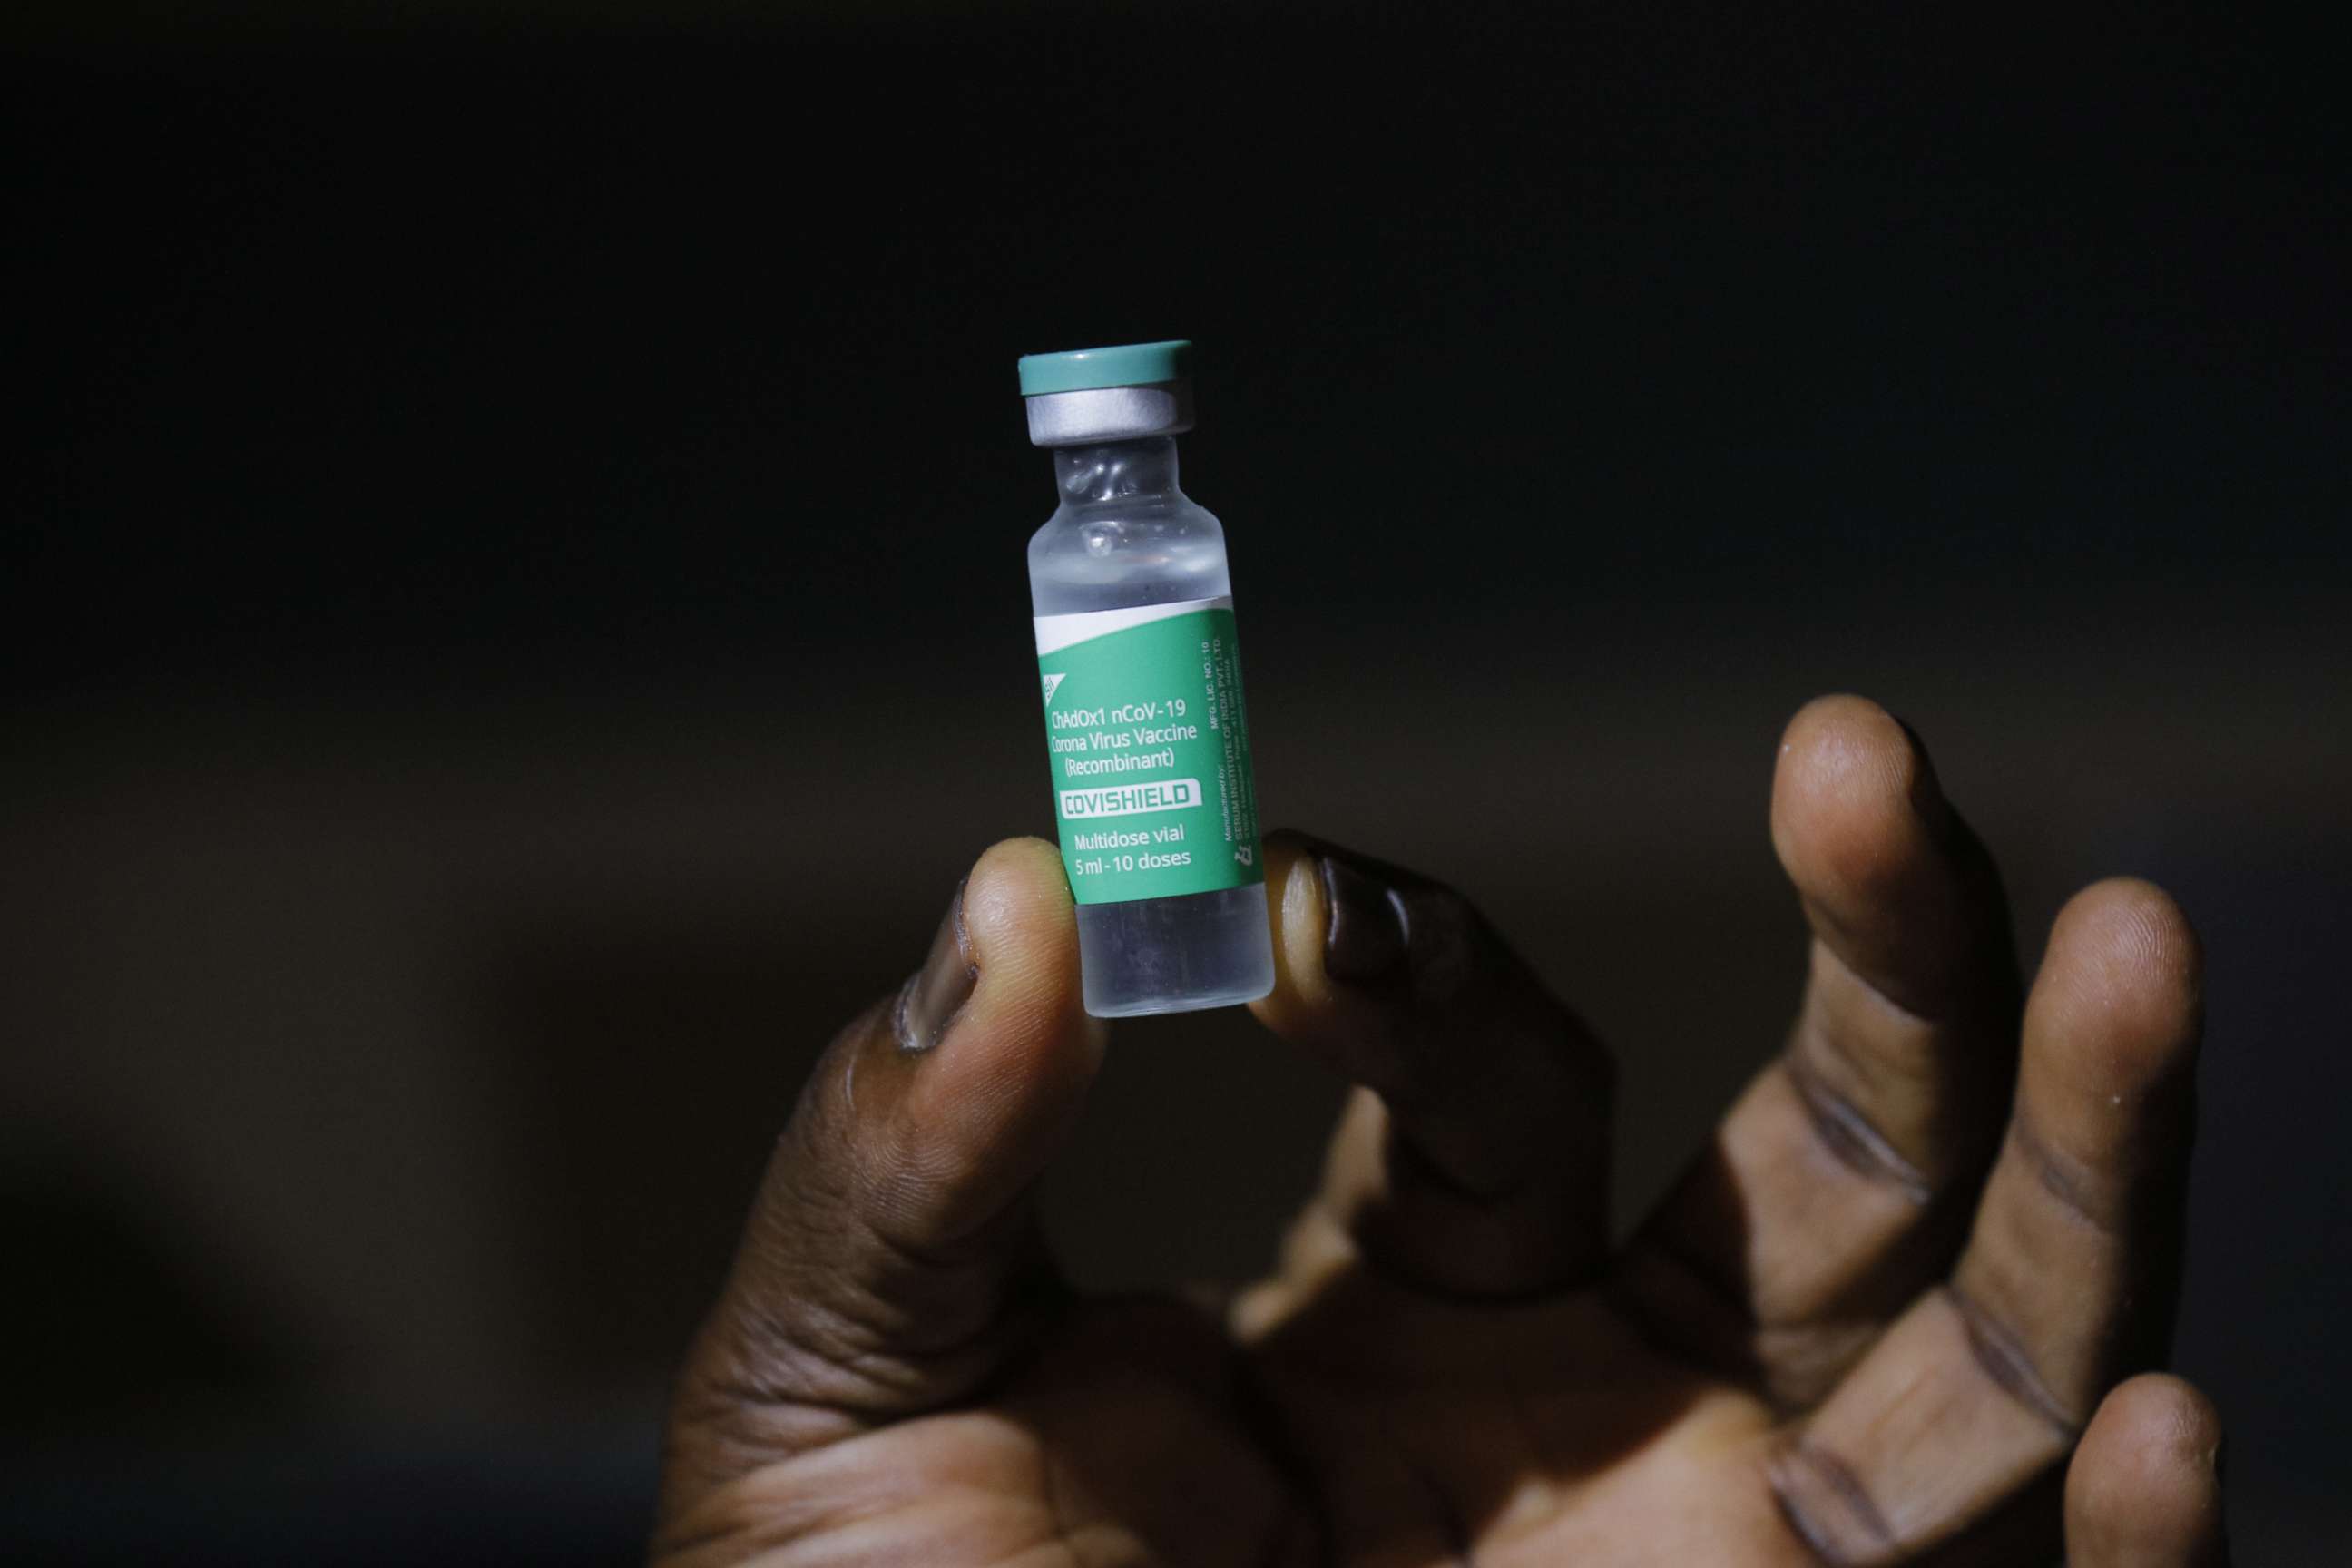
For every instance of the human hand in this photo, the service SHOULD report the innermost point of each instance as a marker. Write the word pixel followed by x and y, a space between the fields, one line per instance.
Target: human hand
pixel 1892 1314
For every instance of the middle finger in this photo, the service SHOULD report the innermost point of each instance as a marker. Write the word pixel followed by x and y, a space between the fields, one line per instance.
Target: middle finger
pixel 1838 1182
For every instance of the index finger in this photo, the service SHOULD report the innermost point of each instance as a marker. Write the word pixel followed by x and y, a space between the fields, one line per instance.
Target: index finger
pixel 1473 1158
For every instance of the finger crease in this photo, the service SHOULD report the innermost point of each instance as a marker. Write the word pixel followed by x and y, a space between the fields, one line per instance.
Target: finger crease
pixel 1849 1134
pixel 1871 986
pixel 2001 1356
pixel 883 1370
pixel 746 1396
pixel 2060 1178
pixel 951 1254
pixel 1827 1507
pixel 1904 1012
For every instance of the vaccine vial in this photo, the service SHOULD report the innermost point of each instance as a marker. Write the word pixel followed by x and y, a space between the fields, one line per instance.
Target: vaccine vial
pixel 1142 685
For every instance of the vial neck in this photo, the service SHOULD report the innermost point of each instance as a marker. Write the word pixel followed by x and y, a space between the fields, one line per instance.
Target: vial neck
pixel 1116 470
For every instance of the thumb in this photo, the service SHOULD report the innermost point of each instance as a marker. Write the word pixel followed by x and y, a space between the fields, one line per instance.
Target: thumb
pixel 891 1255
pixel 2145 1488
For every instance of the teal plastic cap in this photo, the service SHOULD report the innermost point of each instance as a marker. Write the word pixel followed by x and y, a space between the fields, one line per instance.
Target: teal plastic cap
pixel 1089 370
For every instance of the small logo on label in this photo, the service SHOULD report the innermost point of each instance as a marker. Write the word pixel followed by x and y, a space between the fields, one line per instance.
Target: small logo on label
pixel 1245 855
pixel 1051 681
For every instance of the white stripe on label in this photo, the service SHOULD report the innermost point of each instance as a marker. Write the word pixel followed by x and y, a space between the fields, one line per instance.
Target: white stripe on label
pixel 1060 631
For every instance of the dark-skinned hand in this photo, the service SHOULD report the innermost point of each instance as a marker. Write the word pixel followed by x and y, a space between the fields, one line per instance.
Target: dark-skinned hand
pixel 1901 1309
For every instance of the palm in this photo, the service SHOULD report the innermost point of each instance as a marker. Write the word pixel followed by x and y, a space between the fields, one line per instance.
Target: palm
pixel 1113 1445
pixel 1868 1326
pixel 1544 1433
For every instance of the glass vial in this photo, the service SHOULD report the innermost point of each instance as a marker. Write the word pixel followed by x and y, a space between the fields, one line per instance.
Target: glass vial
pixel 1142 678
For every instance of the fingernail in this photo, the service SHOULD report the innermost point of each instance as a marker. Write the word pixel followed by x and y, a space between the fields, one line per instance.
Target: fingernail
pixel 931 998
pixel 1364 933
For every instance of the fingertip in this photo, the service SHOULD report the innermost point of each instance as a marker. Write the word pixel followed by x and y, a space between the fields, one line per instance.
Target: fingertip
pixel 1024 944
pixel 2157 1419
pixel 2135 942
pixel 1854 800
pixel 1296 912
pixel 2144 1486
pixel 985 1108
pixel 1890 879
pixel 2122 986
pixel 1837 718
pixel 1022 871
pixel 1022 923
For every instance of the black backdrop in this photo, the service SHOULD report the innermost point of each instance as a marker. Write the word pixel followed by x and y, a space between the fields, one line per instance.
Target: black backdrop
pixel 514 515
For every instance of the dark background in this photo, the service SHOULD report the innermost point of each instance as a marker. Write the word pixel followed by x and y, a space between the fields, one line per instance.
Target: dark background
pixel 514 623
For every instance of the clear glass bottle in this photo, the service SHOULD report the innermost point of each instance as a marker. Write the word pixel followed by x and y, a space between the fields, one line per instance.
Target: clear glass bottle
pixel 1126 537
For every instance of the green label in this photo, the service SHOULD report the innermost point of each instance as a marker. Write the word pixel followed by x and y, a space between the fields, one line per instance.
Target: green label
pixel 1151 751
